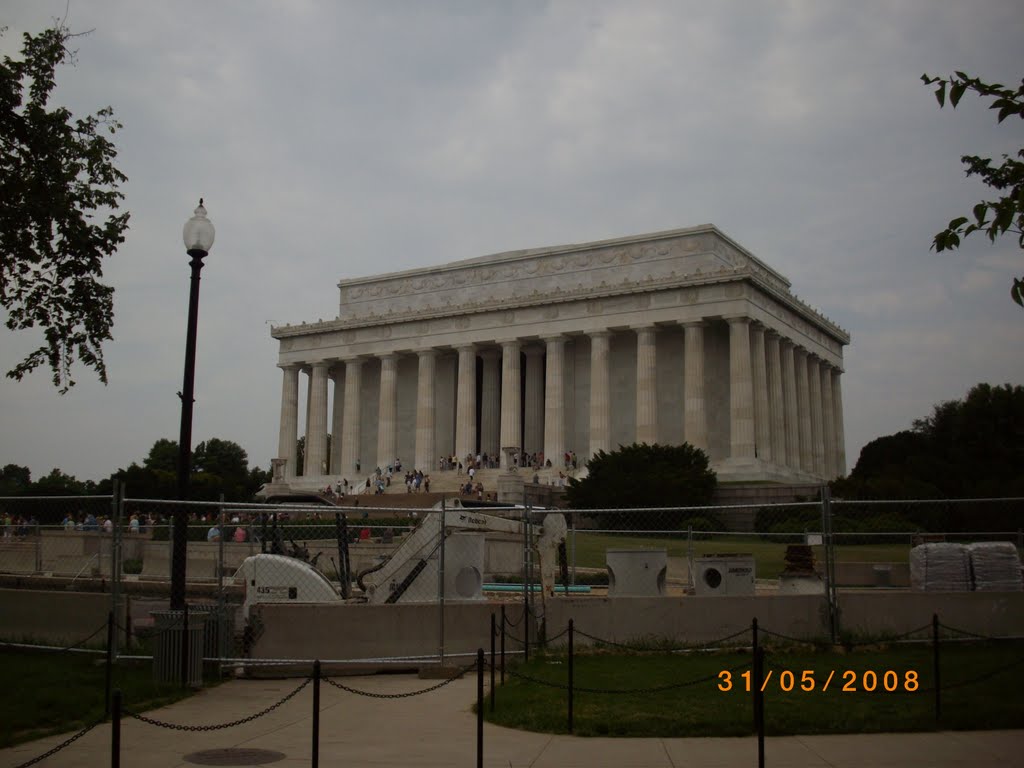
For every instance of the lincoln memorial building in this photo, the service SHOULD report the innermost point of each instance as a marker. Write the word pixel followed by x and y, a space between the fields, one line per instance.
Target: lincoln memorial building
pixel 665 337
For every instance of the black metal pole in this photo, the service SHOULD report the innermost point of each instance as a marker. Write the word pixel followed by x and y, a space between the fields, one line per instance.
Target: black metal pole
pixel 115 731
pixel 110 662
pixel 480 707
pixel 570 673
pixel 935 666
pixel 180 545
pixel 184 646
pixel 503 645
pixel 759 704
pixel 753 630
pixel 316 714
pixel 493 631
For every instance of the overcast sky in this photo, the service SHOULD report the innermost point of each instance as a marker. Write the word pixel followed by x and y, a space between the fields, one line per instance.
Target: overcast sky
pixel 341 139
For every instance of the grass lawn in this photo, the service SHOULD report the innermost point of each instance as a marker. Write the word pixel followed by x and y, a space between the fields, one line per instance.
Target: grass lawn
pixel 46 693
pixel 590 549
pixel 703 709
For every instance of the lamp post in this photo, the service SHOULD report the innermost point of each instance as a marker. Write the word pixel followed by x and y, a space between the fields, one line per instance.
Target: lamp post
pixel 198 235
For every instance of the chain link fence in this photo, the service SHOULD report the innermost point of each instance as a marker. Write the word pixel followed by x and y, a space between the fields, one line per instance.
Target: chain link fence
pixel 240 555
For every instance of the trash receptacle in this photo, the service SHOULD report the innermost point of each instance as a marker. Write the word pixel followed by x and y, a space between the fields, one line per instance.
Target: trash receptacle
pixel 219 630
pixel 169 635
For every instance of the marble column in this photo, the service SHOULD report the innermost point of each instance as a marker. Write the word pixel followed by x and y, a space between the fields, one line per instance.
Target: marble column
pixel 337 418
pixel 646 386
pixel 425 409
pixel 511 399
pixel 803 403
pixel 775 398
pixel 790 404
pixel 817 447
pixel 465 413
pixel 387 423
pixel 554 401
pixel 600 405
pixel 741 390
pixel 309 401
pixel 533 405
pixel 837 404
pixel 315 463
pixel 828 427
pixel 351 437
pixel 287 447
pixel 762 417
pixel 490 402
pixel 695 417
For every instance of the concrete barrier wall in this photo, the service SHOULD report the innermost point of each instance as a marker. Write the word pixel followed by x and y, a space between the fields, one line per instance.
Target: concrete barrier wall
pixel 59 618
pixel 356 631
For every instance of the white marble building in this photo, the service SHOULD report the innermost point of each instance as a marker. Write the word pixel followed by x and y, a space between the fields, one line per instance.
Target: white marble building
pixel 665 337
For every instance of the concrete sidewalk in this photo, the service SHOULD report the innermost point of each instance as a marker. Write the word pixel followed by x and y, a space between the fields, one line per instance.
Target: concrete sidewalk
pixel 439 729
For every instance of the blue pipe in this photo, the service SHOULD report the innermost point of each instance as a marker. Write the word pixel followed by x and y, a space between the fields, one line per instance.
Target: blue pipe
pixel 578 589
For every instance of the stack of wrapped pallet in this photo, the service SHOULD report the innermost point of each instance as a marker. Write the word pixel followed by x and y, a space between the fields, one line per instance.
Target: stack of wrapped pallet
pixel 940 567
pixel 995 566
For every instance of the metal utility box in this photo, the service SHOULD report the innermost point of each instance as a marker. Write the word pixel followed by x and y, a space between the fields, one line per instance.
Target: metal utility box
pixel 727 574
pixel 636 572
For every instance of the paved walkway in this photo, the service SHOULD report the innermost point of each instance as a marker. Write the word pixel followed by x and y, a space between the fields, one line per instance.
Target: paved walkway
pixel 439 730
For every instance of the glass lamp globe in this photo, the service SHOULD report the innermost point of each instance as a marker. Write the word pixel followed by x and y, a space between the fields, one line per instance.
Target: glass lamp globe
pixel 198 232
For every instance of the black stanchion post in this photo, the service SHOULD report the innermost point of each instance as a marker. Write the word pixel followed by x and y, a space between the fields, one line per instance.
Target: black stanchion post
pixel 503 645
pixel 753 630
pixel 315 751
pixel 570 673
pixel 115 731
pixel 759 704
pixel 480 708
pixel 526 632
pixel 184 647
pixel 935 665
pixel 109 675
pixel 493 630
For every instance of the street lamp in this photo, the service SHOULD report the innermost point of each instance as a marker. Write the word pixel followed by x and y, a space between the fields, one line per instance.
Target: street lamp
pixel 198 235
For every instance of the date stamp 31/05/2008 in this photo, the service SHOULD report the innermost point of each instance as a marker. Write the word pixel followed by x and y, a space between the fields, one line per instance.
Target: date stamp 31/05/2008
pixel 808 681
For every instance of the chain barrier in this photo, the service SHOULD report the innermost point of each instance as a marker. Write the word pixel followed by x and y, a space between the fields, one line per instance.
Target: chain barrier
pixel 409 694
pixel 536 643
pixel 681 648
pixel 57 649
pixel 974 635
pixel 219 726
pixel 893 638
pixel 511 623
pixel 60 746
pixel 654 689
pixel 982 678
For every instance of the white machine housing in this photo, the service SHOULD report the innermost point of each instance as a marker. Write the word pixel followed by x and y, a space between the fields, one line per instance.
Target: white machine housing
pixel 724 575
pixel 280 579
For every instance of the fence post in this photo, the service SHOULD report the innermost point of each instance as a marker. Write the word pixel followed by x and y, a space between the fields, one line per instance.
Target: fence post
pixel 109 673
pixel 493 630
pixel 571 676
pixel 572 538
pixel 117 504
pixel 440 586
pixel 935 666
pixel 830 574
pixel 115 731
pixel 315 751
pixel 502 644
pixel 753 629
pixel 184 646
pixel 480 707
pixel 527 571
pixel 759 704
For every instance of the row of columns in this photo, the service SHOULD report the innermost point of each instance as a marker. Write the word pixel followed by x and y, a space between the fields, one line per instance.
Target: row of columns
pixel 785 405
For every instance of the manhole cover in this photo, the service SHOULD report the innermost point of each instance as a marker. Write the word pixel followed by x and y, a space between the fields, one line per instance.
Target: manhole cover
pixel 231 756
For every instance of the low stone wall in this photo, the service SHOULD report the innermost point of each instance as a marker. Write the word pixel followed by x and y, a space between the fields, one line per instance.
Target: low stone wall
pixel 998 614
pixel 59 618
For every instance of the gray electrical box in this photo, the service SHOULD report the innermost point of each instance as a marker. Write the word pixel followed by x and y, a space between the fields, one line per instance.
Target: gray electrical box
pixel 729 574
pixel 636 572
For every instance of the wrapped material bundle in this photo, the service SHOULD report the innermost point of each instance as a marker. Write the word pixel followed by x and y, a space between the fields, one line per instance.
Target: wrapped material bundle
pixel 995 566
pixel 940 567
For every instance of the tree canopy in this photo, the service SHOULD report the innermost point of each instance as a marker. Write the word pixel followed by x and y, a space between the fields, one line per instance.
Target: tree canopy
pixel 997 216
pixel 58 214
pixel 642 475
pixel 966 448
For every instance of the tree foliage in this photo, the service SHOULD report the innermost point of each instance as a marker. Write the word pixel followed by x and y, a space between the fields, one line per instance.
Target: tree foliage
pixel 966 448
pixel 642 475
pixel 1002 214
pixel 58 213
